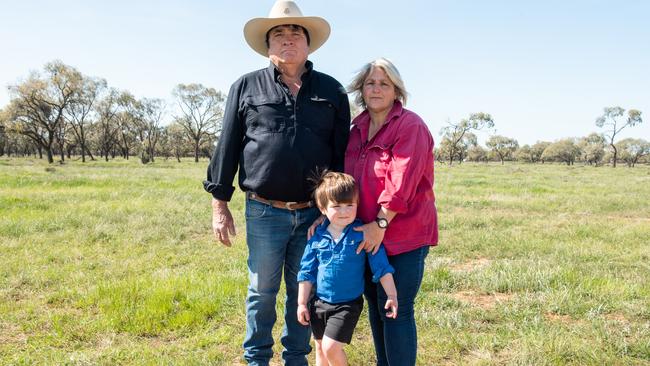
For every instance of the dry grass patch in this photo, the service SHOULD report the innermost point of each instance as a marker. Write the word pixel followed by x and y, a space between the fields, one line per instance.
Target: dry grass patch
pixel 12 335
pixel 560 318
pixel 472 265
pixel 617 317
pixel 484 301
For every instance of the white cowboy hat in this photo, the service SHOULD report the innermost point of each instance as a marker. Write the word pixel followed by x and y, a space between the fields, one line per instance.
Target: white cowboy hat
pixel 285 12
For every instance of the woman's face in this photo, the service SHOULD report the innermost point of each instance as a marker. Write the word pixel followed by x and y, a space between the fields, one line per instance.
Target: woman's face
pixel 378 91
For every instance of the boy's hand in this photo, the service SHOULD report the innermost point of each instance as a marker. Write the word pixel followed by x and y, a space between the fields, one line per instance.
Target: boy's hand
pixel 303 314
pixel 391 304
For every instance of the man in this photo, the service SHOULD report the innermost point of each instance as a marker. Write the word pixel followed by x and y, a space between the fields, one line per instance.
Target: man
pixel 281 125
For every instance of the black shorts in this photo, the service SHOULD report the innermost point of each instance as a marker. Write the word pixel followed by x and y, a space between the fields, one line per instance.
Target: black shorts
pixel 337 321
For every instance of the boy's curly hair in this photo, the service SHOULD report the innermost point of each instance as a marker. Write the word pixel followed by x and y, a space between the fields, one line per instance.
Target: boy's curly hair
pixel 334 187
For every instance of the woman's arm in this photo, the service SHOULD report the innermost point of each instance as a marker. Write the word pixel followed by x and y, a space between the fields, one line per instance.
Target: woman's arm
pixel 373 235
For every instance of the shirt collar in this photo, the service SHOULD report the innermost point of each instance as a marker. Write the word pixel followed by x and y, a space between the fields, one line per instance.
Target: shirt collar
pixel 363 120
pixel 321 230
pixel 273 71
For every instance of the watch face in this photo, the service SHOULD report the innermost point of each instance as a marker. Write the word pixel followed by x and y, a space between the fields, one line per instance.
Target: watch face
pixel 383 223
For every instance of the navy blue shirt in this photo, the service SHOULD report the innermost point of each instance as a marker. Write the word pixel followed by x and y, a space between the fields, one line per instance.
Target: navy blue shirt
pixel 335 268
pixel 277 140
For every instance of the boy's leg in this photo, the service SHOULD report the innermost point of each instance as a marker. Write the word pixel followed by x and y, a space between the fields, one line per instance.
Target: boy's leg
pixel 321 360
pixel 334 352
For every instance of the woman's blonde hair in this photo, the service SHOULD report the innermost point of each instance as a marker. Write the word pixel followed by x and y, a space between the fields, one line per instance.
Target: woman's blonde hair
pixel 356 86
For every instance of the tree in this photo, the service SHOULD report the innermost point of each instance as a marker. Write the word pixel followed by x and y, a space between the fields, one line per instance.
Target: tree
pixel 129 111
pixel 175 140
pixel 593 148
pixel 537 151
pixel 454 133
pixel 564 150
pixel 459 152
pixel 477 153
pixel 148 126
pixel 82 109
pixel 106 126
pixel 610 122
pixel 37 105
pixel 502 146
pixel 202 112
pixel 3 134
pixel 524 153
pixel 632 150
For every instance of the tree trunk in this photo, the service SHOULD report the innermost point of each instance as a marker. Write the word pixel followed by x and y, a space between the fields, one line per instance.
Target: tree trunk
pixel 50 158
pixel 615 154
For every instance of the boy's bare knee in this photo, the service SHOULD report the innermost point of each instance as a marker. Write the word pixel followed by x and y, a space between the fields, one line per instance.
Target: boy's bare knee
pixel 330 346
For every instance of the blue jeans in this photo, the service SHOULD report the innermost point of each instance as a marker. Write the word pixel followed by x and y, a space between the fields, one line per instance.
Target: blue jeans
pixel 276 240
pixel 396 340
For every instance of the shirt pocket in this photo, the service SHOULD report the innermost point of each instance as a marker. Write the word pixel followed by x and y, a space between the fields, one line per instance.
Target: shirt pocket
pixel 265 113
pixel 380 156
pixel 320 119
pixel 323 253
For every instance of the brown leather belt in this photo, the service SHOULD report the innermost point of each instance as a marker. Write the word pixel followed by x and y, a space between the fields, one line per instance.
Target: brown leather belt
pixel 280 204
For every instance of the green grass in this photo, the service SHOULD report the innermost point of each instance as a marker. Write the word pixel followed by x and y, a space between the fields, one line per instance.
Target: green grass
pixel 114 263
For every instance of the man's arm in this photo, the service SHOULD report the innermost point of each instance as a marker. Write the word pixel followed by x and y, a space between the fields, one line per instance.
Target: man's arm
pixel 223 167
pixel 223 224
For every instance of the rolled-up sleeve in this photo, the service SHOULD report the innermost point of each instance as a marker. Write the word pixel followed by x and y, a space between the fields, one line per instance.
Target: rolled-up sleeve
pixel 308 265
pixel 225 160
pixel 406 166
pixel 379 264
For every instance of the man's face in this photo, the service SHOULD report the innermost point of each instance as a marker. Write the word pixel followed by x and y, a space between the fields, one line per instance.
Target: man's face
pixel 288 45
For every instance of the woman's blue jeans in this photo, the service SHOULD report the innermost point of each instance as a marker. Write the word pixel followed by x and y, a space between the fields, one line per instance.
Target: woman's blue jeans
pixel 396 340
pixel 276 240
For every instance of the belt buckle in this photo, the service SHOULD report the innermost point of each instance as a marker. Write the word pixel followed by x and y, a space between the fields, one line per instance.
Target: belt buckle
pixel 288 205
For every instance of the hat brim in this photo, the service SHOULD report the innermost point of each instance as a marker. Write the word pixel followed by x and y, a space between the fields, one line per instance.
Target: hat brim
pixel 255 31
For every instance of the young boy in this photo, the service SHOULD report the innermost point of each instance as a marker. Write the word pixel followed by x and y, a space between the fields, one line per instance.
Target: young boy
pixel 331 263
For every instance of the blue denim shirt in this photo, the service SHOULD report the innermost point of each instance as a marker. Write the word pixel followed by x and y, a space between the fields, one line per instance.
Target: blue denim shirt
pixel 336 268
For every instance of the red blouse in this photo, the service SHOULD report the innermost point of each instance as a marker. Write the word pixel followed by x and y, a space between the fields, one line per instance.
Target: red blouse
pixel 395 170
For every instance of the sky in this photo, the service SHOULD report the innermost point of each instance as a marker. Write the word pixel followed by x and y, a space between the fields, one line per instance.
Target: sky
pixel 544 70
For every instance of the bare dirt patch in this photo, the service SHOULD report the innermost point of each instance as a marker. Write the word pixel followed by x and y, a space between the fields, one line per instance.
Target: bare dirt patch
pixel 471 265
pixel 485 301
pixel 559 318
pixel 10 334
pixel 617 318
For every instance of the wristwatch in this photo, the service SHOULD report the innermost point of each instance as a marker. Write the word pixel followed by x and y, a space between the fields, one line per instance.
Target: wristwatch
pixel 381 222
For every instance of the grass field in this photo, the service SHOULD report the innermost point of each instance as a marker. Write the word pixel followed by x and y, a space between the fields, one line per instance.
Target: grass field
pixel 114 263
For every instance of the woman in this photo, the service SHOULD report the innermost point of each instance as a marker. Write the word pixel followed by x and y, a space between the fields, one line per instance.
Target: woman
pixel 390 155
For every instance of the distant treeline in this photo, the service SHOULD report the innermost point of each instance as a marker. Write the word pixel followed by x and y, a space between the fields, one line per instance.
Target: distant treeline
pixel 62 112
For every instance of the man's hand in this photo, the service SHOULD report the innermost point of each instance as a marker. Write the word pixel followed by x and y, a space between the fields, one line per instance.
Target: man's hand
pixel 372 237
pixel 391 306
pixel 222 223
pixel 303 314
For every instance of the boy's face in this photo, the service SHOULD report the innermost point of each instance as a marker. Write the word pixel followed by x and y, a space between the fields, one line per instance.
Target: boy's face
pixel 340 214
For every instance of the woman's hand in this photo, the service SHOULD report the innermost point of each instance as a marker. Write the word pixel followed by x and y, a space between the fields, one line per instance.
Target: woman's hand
pixel 373 235
pixel 312 228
